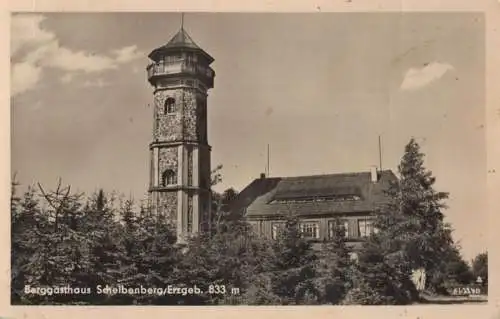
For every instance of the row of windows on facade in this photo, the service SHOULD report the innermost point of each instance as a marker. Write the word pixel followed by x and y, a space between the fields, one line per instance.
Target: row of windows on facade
pixel 335 198
pixel 310 230
pixel 190 57
pixel 177 57
pixel 186 65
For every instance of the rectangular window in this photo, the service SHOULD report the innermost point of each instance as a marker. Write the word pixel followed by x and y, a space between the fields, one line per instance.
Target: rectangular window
pixel 365 227
pixel 255 227
pixel 331 228
pixel 276 229
pixel 309 230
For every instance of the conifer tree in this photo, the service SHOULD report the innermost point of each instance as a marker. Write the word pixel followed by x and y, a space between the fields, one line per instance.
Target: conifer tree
pixel 293 266
pixel 381 276
pixel 26 223
pixel 456 268
pixel 17 255
pixel 227 258
pixel 58 250
pixel 480 267
pixel 333 268
pixel 412 234
pixel 151 256
pixel 427 234
pixel 101 234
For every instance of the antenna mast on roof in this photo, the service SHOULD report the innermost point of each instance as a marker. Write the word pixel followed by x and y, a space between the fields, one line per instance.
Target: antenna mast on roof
pixel 380 153
pixel 182 21
pixel 268 172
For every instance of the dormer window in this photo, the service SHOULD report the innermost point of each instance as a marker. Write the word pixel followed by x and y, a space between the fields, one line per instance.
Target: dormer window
pixel 170 106
pixel 327 198
pixel 168 178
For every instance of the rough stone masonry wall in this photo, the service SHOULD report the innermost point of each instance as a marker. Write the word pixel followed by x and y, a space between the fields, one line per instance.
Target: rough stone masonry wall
pixel 167 160
pixel 183 124
pixel 190 116
pixel 168 206
pixel 169 127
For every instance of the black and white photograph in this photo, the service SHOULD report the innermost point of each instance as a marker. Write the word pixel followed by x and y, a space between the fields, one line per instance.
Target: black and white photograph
pixel 264 159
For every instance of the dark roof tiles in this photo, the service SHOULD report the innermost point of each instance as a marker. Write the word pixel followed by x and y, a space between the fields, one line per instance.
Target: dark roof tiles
pixel 278 196
pixel 180 41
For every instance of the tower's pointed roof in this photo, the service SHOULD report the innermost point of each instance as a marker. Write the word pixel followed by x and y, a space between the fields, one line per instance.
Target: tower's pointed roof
pixel 180 41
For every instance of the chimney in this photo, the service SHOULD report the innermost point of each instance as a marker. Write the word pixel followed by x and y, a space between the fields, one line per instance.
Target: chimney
pixel 262 175
pixel 374 174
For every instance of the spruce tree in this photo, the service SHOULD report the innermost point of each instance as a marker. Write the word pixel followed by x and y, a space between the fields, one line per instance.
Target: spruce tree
pixel 101 230
pixel 480 267
pixel 381 276
pixel 333 269
pixel 412 234
pixel 226 258
pixel 293 266
pixel 26 225
pixel 58 248
pixel 151 256
pixel 428 235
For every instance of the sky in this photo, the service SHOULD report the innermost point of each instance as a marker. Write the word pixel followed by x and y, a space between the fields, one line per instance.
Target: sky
pixel 319 88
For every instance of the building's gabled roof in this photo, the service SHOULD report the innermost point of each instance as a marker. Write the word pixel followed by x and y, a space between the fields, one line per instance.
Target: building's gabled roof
pixel 344 193
pixel 180 41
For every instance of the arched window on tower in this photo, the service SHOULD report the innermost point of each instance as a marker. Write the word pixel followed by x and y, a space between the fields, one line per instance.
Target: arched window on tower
pixel 168 178
pixel 170 106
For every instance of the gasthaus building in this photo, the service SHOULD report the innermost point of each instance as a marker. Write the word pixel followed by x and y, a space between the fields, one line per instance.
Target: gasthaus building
pixel 318 201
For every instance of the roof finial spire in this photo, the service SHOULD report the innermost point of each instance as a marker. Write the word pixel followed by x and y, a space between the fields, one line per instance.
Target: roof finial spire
pixel 182 21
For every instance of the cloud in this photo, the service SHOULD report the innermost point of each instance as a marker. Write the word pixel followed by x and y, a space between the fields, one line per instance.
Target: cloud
pixel 67 78
pixel 24 77
pixel 416 78
pixel 72 61
pixel 128 54
pixel 36 48
pixel 100 83
pixel 26 32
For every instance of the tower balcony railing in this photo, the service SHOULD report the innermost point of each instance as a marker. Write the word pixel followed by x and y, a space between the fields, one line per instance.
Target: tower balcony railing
pixel 163 68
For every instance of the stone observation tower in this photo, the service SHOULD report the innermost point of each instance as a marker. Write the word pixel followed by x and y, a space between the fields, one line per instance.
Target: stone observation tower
pixel 179 187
